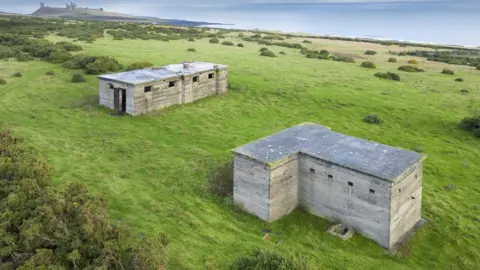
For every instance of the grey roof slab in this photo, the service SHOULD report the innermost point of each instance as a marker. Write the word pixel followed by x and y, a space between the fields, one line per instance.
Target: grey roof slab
pixel 146 75
pixel 364 156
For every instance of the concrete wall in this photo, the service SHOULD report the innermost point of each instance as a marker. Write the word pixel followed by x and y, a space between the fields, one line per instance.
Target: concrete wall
pixel 406 204
pixel 324 190
pixel 106 95
pixel 251 186
pixel 283 188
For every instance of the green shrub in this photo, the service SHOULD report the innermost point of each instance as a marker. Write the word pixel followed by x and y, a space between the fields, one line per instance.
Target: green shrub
pixel 58 56
pixel 191 50
pixel 464 91
pixel 90 40
pixel 370 52
pixel 79 62
pixel 459 79
pixel 267 260
pixel 23 57
pixel 345 59
pixel 6 52
pixel 263 49
pixel 283 53
pixel 240 45
pixel 78 78
pixel 410 69
pixel 139 65
pixel 256 35
pixel 220 179
pixel 478 67
pixel 70 47
pixel 191 39
pixel 227 43
pixel 392 60
pixel 3 81
pixel 17 74
pixel 307 41
pixel 241 35
pixel 448 72
pixel 103 64
pixel 368 64
pixel 372 119
pixel 268 53
pixel 476 133
pixel 214 41
pixel 388 76
pixel 412 61
pixel 324 53
pixel 50 73
pixel 470 123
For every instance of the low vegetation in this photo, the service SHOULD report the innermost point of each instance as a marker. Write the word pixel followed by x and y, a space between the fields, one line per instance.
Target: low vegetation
pixel 368 64
pixel 17 74
pixel 228 43
pixel 448 72
pixel 372 119
pixel 472 124
pixel 268 53
pixel 392 60
pixel 410 69
pixel 220 179
pixel 388 76
pixel 283 53
pixel 139 65
pixel 345 59
pixel 412 62
pixel 214 41
pixel 263 49
pixel 307 41
pixel 370 52
pixel 267 260
pixel 3 81
pixel 50 73
pixel 240 45
pixel 459 80
pixel 93 64
pixel 191 50
pixel 78 78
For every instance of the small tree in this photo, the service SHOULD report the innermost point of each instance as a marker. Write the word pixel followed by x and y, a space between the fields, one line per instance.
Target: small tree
pixel 448 72
pixel 78 78
pixel 368 64
pixel 392 60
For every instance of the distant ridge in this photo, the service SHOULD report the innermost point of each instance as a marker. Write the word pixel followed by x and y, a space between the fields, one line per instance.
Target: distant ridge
pixel 72 11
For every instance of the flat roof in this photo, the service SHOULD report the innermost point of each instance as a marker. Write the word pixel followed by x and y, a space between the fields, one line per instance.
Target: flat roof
pixel 146 75
pixel 320 142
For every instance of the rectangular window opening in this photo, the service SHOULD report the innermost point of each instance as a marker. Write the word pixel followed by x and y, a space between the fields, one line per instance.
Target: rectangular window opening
pixel 195 79
pixel 147 89
pixel 330 176
pixel 171 84
pixel 312 170
pixel 350 184
pixel 372 191
pixel 210 76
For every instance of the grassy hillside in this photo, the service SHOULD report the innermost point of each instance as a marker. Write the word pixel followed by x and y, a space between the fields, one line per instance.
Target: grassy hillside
pixel 153 168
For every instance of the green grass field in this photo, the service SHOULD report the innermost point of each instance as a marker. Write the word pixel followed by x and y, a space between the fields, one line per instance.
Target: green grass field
pixel 153 168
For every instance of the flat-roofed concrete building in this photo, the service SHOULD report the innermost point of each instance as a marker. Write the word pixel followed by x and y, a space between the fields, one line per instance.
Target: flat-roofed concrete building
pixel 145 90
pixel 370 187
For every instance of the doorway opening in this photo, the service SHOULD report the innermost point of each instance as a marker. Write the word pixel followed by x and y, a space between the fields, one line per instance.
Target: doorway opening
pixel 120 100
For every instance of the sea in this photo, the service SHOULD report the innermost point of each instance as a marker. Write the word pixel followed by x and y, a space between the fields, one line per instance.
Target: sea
pixel 453 22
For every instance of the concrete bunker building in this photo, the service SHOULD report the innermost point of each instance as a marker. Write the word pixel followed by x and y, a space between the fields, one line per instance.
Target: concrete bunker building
pixel 141 91
pixel 373 188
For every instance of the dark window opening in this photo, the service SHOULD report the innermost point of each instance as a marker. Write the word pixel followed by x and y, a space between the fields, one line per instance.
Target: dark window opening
pixel 195 79
pixel 330 176
pixel 312 170
pixel 147 89
pixel 413 197
pixel 210 76
pixel 372 191
pixel 171 84
pixel 350 184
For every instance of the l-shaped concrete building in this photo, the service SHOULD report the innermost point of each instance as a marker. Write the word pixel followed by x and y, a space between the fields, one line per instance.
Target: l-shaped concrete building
pixel 373 188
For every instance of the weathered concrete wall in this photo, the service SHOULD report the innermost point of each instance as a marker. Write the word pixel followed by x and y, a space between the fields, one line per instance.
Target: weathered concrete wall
pixel 406 204
pixel 106 95
pixel 283 187
pixel 324 190
pixel 160 96
pixel 251 186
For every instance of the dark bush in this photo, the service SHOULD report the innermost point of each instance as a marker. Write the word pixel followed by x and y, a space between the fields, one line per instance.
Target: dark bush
pixel 79 62
pixel 459 79
pixel 267 260
pixel 282 52
pixel 191 50
pixel 268 53
pixel 191 39
pixel 263 49
pixel 220 179
pixel 90 40
pixel 6 52
pixel 240 45
pixel 476 133
pixel 307 41
pixel 68 46
pixel 257 36
pixel 50 73
pixel 23 57
pixel 48 228
pixel 392 60
pixel 388 76
pixel 464 91
pixel 345 59
pixel 324 53
pixel 478 67
pixel 448 72
pixel 372 119
pixel 78 78
pixel 228 43
pixel 214 41
pixel 410 69
pixel 470 123
pixel 59 56
pixel 3 81
pixel 369 52
pixel 139 65
pixel 368 64
pixel 412 61
pixel 103 64
pixel 17 74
